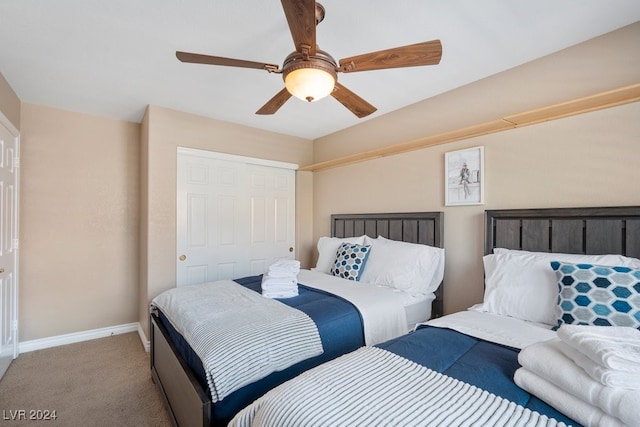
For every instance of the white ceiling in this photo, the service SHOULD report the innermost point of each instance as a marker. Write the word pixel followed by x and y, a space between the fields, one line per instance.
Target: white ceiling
pixel 112 58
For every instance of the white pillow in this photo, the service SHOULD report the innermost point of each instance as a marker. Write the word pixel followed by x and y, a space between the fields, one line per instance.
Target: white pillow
pixel 523 285
pixel 327 249
pixel 414 268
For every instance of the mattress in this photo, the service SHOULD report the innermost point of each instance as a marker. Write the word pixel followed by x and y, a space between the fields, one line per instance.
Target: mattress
pixel 339 324
pixel 417 308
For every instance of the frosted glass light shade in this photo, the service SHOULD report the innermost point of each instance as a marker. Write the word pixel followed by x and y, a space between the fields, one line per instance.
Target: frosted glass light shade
pixel 309 84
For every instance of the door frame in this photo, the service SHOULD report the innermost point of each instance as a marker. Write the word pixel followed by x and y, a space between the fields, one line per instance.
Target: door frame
pixel 5 122
pixel 235 158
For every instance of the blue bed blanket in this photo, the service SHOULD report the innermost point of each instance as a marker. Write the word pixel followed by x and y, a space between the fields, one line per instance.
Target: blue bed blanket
pixel 481 363
pixel 338 322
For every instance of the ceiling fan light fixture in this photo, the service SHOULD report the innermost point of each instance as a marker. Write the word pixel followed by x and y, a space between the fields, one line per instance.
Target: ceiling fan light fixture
pixel 309 84
pixel 310 79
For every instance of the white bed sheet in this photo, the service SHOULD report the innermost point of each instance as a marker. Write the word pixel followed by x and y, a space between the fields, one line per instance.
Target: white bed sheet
pixel 417 309
pixel 382 309
pixel 492 327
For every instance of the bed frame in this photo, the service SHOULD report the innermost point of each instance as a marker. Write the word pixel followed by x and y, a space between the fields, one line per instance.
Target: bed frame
pixel 187 402
pixel 415 227
pixel 590 231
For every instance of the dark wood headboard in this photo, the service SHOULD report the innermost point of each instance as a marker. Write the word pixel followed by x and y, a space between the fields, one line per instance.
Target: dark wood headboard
pixel 601 230
pixel 414 227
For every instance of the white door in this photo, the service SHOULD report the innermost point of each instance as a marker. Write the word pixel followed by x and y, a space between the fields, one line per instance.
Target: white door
pixel 9 179
pixel 235 215
pixel 271 195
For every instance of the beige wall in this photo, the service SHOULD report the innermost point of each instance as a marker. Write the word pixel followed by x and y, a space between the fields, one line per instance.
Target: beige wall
pixel 9 103
pixel 168 129
pixel 305 243
pixel 586 160
pixel 78 222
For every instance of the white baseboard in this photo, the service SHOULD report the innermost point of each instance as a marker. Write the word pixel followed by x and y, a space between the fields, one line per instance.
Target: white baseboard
pixel 145 342
pixel 75 337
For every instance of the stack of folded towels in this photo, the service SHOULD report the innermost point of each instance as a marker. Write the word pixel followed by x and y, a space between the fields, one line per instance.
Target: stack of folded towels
pixel 281 279
pixel 589 373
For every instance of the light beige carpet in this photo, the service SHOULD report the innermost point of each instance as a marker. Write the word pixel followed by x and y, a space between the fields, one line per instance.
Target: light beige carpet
pixel 102 382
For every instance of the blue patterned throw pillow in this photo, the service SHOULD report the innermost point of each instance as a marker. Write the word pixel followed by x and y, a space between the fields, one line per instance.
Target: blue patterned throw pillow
pixel 597 295
pixel 350 261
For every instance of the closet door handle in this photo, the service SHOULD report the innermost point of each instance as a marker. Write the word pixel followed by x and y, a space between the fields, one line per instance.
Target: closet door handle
pixel 183 257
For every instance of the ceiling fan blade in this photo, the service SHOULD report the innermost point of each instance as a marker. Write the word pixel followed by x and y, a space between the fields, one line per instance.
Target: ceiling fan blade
pixel 353 102
pixel 197 58
pixel 425 53
pixel 301 16
pixel 275 103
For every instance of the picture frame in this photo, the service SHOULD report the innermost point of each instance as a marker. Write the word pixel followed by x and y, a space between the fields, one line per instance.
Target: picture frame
pixel 464 177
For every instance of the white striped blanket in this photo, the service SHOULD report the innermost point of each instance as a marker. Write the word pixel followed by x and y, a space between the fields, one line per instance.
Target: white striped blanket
pixel 374 387
pixel 239 335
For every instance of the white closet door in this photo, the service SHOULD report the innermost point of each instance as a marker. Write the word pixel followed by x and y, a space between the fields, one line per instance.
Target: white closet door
pixel 9 179
pixel 233 217
pixel 272 221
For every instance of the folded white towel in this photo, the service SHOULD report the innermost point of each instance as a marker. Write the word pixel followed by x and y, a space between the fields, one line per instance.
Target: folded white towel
pixel 564 402
pixel 608 377
pixel 280 294
pixel 279 287
pixel 546 360
pixel 269 281
pixel 275 272
pixel 613 347
pixel 286 263
pixel 284 268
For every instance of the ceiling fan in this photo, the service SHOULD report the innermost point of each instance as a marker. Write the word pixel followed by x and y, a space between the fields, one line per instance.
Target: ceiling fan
pixel 311 74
